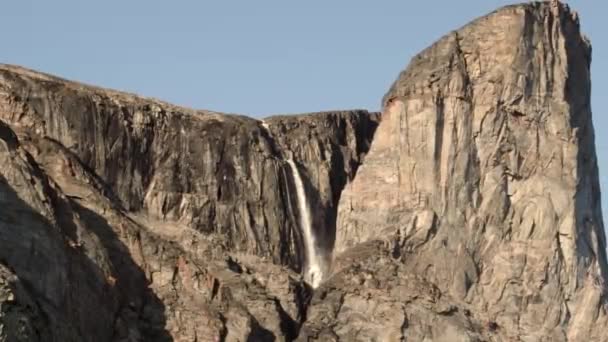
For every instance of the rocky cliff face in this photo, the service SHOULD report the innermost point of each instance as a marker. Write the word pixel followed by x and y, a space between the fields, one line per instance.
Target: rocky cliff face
pixel 469 212
pixel 219 174
pixel 483 176
pixel 170 211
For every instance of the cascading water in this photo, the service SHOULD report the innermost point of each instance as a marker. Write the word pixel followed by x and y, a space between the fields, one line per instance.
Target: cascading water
pixel 313 272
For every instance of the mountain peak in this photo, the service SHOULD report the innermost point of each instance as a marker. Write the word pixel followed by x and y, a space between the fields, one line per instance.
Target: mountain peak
pixel 468 210
pixel 485 160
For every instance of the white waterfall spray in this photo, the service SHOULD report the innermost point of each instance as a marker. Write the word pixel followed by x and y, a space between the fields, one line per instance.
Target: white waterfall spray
pixel 313 273
pixel 313 270
pixel 265 126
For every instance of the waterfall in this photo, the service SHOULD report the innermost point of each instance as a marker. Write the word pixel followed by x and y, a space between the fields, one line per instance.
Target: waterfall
pixel 265 126
pixel 313 273
pixel 313 269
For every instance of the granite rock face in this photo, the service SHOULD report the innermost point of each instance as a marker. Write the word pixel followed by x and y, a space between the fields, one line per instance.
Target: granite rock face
pixel 171 223
pixel 469 210
pixel 375 297
pixel 329 146
pixel 219 174
pixel 483 176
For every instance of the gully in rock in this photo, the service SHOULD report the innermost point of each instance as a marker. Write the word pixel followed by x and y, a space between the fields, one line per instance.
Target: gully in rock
pixel 314 271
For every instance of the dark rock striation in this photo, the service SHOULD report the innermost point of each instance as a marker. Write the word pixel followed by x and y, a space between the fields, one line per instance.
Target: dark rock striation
pixel 469 212
pixel 219 174
pixel 170 204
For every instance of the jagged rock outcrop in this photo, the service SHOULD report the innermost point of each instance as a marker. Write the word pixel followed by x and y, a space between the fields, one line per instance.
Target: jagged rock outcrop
pixel 220 174
pixel 48 283
pixel 483 176
pixel 473 214
pixel 165 220
pixel 375 297
pixel 69 249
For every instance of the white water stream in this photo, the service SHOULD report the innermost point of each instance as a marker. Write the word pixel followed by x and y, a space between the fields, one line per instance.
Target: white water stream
pixel 313 269
pixel 313 273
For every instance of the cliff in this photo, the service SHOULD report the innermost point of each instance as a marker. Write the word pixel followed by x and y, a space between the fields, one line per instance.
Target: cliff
pixel 166 206
pixel 468 210
pixel 483 177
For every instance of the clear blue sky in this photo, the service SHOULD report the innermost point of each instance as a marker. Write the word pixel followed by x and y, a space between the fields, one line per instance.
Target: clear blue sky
pixel 255 57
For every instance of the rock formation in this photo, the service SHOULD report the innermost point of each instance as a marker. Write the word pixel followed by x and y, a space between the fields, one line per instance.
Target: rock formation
pixel 483 176
pixel 177 221
pixel 469 212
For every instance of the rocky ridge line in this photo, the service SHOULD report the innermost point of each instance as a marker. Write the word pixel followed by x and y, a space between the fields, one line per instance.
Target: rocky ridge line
pixel 474 215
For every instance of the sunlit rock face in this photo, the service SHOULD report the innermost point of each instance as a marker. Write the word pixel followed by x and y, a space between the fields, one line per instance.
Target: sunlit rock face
pixel 468 210
pixel 483 175
pixel 216 173
pixel 185 214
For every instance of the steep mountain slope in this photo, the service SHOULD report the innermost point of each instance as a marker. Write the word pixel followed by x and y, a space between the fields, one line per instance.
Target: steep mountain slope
pixel 187 216
pixel 469 210
pixel 216 173
pixel 483 176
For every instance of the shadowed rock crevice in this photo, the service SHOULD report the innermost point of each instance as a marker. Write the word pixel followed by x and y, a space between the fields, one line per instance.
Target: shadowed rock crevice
pixel 328 147
pixel 21 317
pixel 59 266
pixel 134 296
pixel 84 280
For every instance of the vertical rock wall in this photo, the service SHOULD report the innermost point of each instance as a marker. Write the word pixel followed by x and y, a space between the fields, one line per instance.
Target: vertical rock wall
pixel 483 174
